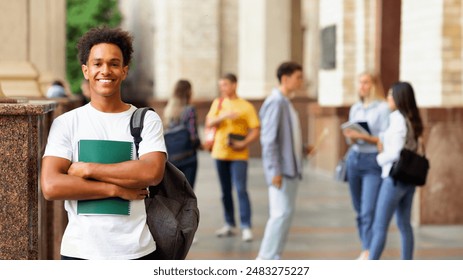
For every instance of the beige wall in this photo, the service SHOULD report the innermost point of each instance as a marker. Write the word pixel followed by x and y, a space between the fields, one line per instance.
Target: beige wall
pixel 430 49
pixel 355 48
pixel 433 28
pixel 248 38
pixel 264 42
pixel 186 46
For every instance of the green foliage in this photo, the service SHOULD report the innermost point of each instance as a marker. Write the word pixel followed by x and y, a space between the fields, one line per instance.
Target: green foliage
pixel 83 15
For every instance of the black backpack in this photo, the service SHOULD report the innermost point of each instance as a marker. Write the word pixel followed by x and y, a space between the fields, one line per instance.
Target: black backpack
pixel 178 144
pixel 171 208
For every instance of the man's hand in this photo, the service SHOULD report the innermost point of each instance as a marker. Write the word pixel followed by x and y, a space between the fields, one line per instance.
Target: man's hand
pixel 238 145
pixel 276 181
pixel 131 194
pixel 229 115
pixel 309 150
pixel 79 169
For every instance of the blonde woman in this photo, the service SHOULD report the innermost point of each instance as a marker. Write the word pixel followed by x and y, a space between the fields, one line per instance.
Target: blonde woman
pixel 363 172
pixel 180 114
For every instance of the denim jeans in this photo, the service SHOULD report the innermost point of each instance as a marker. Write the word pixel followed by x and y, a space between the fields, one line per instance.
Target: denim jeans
pixel 394 197
pixel 282 203
pixel 189 170
pixel 364 177
pixel 234 172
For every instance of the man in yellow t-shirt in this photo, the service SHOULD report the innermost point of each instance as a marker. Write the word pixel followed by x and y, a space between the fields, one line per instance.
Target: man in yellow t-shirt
pixel 237 127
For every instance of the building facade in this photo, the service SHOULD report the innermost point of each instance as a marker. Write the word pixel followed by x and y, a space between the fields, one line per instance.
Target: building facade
pixel 335 40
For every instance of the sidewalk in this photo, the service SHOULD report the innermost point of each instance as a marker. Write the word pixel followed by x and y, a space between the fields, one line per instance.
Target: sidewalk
pixel 323 227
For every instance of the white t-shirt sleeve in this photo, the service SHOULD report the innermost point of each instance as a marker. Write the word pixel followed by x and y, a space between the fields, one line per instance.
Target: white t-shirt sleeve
pixel 152 135
pixel 59 142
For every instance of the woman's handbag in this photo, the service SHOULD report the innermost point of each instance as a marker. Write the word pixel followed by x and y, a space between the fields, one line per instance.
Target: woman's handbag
pixel 411 168
pixel 209 132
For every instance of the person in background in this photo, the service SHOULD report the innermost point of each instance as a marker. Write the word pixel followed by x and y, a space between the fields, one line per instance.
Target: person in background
pixel 84 87
pixel 180 112
pixel 282 152
pixel 237 126
pixel 363 172
pixel 57 90
pixel 405 127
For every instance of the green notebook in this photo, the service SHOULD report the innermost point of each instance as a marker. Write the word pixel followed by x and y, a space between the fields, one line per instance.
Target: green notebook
pixel 104 151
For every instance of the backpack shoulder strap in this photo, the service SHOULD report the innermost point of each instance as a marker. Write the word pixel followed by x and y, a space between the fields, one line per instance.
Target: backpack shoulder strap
pixel 136 124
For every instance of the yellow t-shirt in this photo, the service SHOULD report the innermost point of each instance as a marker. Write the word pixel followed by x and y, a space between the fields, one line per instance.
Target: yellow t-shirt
pixel 247 119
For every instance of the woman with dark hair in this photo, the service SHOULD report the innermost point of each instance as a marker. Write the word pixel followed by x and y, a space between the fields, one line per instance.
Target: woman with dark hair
pixel 180 113
pixel 405 128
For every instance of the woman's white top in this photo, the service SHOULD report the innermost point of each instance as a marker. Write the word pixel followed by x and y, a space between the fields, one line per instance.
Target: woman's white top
pixel 393 140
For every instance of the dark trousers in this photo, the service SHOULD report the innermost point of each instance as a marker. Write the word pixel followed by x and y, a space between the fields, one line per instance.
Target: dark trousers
pixel 150 256
pixel 189 169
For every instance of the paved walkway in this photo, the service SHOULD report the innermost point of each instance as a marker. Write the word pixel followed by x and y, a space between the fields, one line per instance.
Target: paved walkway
pixel 323 227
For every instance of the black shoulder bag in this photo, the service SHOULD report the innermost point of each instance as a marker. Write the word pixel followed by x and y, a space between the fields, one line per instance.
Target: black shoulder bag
pixel 411 167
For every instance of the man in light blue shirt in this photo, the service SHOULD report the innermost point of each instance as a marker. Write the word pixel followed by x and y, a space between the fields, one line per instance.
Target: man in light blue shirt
pixel 282 158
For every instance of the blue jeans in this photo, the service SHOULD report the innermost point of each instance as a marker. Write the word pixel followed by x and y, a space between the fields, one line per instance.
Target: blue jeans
pixel 364 177
pixel 394 197
pixel 189 170
pixel 234 172
pixel 282 203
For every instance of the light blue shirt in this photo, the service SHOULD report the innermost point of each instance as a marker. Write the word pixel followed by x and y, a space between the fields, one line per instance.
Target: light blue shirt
pixel 376 114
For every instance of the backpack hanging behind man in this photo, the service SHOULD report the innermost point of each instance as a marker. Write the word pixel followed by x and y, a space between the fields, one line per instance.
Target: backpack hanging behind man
pixel 171 208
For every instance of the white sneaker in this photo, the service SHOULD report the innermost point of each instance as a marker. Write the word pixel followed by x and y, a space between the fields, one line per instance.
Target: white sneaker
pixel 247 235
pixel 224 231
pixel 363 255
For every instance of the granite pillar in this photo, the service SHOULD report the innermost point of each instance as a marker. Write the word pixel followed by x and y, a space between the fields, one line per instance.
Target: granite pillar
pixel 439 201
pixel 22 138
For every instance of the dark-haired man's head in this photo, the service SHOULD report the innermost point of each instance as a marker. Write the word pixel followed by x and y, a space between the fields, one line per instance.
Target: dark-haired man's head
pixel 227 85
pixel 105 54
pixel 289 76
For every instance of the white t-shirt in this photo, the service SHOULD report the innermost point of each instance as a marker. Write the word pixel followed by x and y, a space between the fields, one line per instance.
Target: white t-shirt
pixel 104 236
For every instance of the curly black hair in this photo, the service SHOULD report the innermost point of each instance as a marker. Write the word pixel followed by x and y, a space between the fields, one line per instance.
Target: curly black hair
pixel 104 34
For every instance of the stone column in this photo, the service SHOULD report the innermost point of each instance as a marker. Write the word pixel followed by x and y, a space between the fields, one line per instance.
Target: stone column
pixel 311 57
pixel 264 42
pixel 23 129
pixel 32 52
pixel 138 18
pixel 186 46
pixel 435 28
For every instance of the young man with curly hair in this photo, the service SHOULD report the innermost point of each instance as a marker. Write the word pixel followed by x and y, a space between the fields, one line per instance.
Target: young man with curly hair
pixel 105 55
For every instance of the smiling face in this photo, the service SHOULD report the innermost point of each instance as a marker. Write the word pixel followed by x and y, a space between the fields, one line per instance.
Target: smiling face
pixel 105 70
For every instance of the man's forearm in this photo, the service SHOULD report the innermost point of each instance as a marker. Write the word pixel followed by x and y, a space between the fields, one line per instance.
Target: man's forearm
pixel 67 187
pixel 128 174
pixel 252 136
